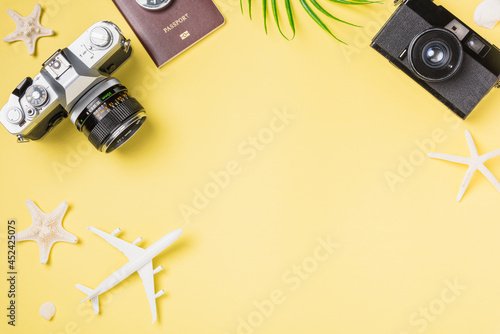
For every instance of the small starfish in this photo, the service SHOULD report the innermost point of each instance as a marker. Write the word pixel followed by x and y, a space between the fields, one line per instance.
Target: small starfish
pixel 46 229
pixel 28 29
pixel 475 162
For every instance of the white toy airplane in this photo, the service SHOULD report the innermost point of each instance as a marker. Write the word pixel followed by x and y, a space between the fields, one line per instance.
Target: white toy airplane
pixel 141 260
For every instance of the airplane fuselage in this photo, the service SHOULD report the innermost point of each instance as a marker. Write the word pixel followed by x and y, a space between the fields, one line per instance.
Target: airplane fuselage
pixel 134 265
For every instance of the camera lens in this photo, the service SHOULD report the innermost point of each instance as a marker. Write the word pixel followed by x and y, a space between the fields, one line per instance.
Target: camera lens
pixel 108 115
pixel 435 55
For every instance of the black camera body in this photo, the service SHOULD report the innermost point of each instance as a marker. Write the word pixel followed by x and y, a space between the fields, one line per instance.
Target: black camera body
pixel 441 53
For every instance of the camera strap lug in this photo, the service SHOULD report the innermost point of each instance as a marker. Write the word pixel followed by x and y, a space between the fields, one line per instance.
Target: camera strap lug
pixel 21 139
pixel 126 45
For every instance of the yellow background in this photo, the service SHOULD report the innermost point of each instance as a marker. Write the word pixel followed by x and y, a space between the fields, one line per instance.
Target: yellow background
pixel 323 176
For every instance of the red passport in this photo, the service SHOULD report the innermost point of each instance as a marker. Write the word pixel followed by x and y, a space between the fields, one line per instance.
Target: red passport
pixel 168 32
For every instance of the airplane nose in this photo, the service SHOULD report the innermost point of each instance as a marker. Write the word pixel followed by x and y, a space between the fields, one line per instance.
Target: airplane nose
pixel 176 233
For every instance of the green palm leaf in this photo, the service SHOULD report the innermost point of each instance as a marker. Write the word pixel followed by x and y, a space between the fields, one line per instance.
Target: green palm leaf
pixel 289 13
pixel 264 8
pixel 321 9
pixel 309 10
pixel 316 19
pixel 276 19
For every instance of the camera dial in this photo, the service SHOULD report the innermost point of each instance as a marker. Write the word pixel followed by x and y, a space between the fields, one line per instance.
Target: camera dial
pixel 435 55
pixel 15 116
pixel 100 37
pixel 36 95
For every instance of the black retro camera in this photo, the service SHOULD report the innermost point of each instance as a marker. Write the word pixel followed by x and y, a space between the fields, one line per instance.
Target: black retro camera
pixel 441 53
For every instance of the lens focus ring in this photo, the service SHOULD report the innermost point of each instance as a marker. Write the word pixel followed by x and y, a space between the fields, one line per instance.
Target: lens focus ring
pixel 435 55
pixel 113 120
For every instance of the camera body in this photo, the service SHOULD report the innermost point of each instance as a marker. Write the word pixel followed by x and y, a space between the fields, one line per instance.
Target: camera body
pixel 441 53
pixel 76 82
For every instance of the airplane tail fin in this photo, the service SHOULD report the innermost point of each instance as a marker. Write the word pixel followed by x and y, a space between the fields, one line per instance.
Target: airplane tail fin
pixel 91 295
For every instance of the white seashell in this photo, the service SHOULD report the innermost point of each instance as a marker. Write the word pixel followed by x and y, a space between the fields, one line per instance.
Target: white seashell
pixel 47 310
pixel 487 14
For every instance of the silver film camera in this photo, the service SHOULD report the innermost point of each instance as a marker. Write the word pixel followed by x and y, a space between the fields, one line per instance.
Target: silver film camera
pixel 76 82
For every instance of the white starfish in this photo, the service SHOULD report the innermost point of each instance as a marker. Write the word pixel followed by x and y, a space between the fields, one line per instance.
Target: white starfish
pixel 28 29
pixel 475 162
pixel 46 229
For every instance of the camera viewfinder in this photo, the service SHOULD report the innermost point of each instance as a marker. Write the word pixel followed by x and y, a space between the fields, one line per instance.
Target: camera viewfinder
pixel 475 44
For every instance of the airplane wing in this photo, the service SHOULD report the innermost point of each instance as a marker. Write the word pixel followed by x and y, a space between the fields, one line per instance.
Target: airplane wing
pixel 129 250
pixel 146 273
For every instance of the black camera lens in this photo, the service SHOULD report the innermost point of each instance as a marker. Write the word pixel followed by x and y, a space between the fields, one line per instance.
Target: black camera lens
pixel 110 117
pixel 435 55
